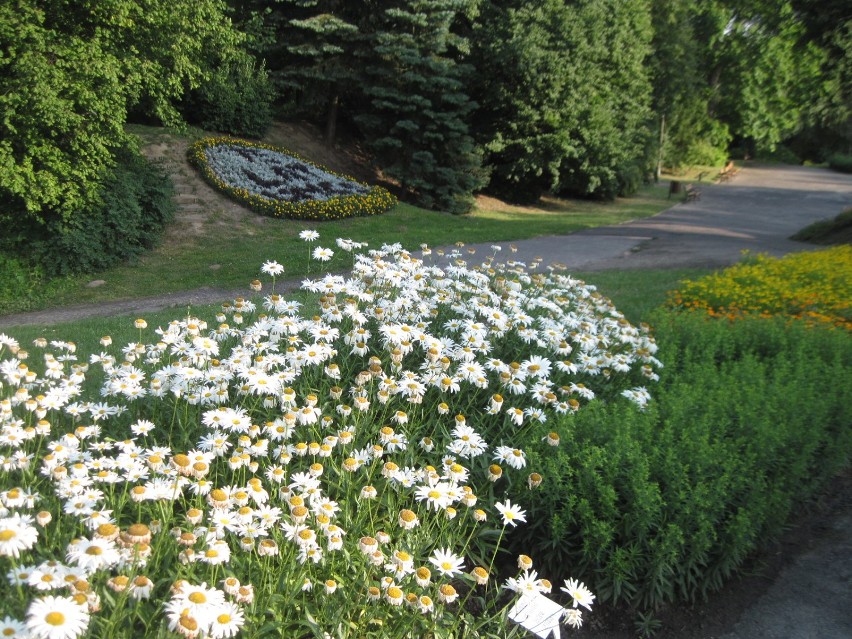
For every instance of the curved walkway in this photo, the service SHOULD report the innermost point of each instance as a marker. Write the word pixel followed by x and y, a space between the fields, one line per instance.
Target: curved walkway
pixel 757 211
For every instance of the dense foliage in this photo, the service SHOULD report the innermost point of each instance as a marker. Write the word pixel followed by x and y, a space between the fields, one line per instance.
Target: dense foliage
pixel 663 505
pixel 451 97
pixel 417 112
pixel 70 77
pixel 840 162
pixel 236 99
pixel 276 182
pixel 126 217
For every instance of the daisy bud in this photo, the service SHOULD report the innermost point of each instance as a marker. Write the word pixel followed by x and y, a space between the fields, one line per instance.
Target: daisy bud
pixel 394 596
pixel 118 583
pixel 447 594
pixel 494 472
pixel 480 574
pixel 423 576
pixel 524 562
pixel 245 594
pixel 140 323
pixel 534 480
pixel 231 585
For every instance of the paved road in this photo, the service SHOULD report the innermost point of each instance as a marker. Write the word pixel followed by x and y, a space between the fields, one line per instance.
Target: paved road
pixel 757 211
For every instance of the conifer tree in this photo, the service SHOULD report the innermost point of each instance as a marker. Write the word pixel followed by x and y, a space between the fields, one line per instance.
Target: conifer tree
pixel 518 49
pixel 319 42
pixel 416 108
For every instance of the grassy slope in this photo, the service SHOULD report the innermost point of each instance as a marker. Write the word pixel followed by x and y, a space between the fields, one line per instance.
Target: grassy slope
pixel 831 232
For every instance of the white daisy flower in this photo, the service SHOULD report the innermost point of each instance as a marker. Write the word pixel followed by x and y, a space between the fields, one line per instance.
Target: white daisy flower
pixel 511 513
pixel 57 618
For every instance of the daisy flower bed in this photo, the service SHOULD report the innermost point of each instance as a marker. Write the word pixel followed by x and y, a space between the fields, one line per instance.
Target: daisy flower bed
pixel 352 471
pixel 275 182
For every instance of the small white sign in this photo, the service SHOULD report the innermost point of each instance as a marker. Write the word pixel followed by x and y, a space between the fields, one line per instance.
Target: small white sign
pixel 538 614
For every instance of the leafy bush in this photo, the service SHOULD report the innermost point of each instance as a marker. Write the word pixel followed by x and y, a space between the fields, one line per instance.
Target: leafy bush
pixel 630 179
pixel 135 204
pixel 276 182
pixel 780 153
pixel 663 505
pixel 841 162
pixel 836 230
pixel 815 286
pixel 237 99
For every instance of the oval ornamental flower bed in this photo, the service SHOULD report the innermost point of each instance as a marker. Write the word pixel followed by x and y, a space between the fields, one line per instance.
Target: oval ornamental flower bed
pixel 278 183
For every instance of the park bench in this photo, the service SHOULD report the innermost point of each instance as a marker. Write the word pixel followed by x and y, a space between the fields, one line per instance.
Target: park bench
pixel 692 193
pixel 728 172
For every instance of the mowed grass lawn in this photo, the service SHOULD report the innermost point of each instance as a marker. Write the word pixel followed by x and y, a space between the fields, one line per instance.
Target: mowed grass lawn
pixel 231 257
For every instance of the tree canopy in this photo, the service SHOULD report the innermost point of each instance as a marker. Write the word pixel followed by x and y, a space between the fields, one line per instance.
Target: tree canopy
pixel 518 97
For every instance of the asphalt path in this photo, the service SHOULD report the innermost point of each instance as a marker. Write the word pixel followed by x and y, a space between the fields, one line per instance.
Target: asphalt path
pixel 756 211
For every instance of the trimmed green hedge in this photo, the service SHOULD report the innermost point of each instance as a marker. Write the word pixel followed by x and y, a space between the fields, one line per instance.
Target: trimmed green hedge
pixel 749 419
pixel 376 201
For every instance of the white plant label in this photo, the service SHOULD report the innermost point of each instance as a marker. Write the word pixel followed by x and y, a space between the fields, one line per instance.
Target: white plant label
pixel 538 614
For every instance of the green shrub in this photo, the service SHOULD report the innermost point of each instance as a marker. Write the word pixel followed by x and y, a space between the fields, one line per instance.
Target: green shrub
pixel 237 99
pixel 630 178
pixel 780 153
pixel 836 230
pixel 19 282
pixel 840 162
pixel 135 204
pixel 663 505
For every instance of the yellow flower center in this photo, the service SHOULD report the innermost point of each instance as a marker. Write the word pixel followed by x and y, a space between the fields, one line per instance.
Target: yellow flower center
pixel 138 530
pixel 94 551
pixel 7 535
pixel 197 597
pixel 55 618
pixel 223 618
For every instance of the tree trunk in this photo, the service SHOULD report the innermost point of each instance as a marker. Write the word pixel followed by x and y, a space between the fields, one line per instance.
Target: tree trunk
pixel 331 121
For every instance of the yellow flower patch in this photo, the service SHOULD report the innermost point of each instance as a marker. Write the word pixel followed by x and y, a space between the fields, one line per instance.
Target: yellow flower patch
pixel 814 286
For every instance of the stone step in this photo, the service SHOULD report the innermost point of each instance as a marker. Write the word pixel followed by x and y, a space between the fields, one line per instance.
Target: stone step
pixel 186 198
pixel 192 207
